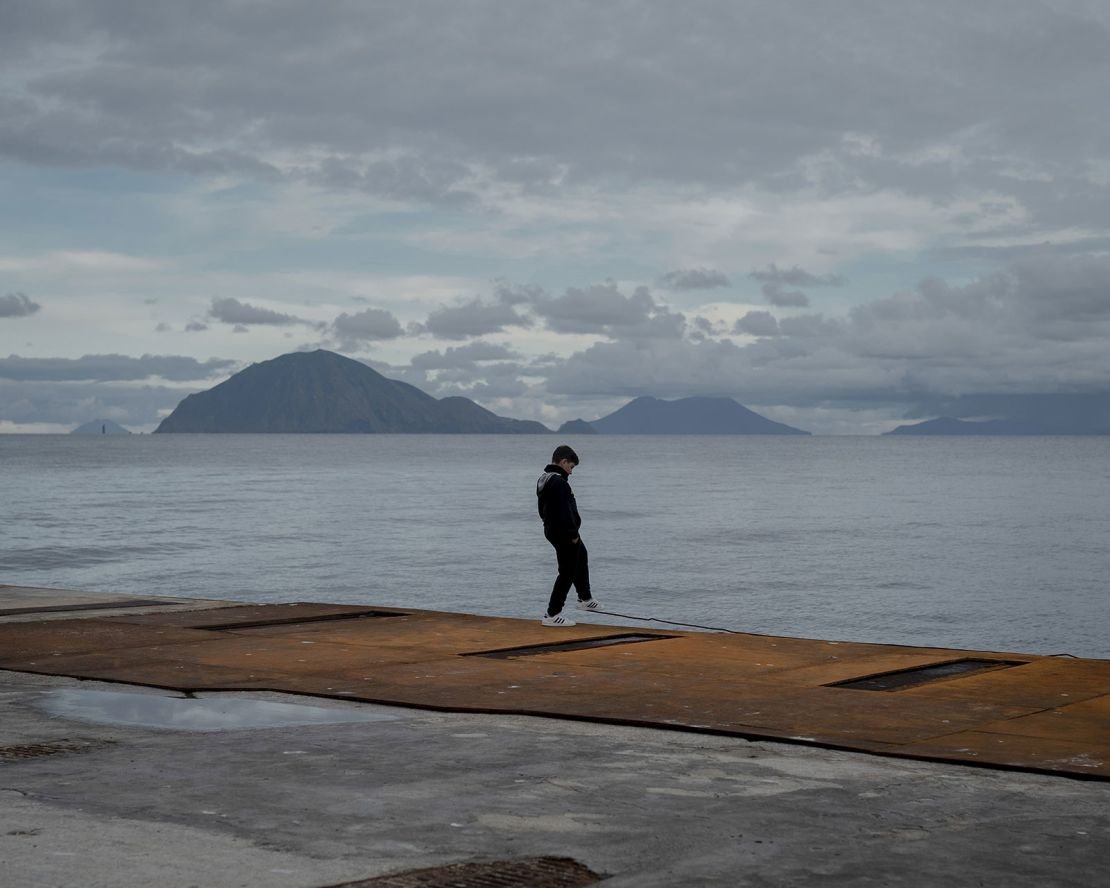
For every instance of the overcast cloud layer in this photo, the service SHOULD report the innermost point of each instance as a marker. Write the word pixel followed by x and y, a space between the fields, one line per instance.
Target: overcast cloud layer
pixel 842 215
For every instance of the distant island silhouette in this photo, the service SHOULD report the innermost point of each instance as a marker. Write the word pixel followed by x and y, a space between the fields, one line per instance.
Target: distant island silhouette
pixel 323 392
pixel 688 416
pixel 947 425
pixel 577 427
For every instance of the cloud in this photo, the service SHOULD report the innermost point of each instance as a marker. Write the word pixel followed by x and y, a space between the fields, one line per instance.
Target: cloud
pixel 661 367
pixel 518 294
pixel 463 357
pixel 65 404
pixel 1032 328
pixel 758 323
pixel 112 368
pixel 938 102
pixel 500 384
pixel 1017 251
pixel 1022 329
pixel 242 314
pixel 693 279
pixel 1064 294
pixel 777 294
pixel 431 180
pixel 17 305
pixel 604 309
pixel 775 281
pixel 810 326
pixel 483 371
pixel 474 318
pixel 700 328
pixel 369 325
pixel 797 277
pixel 87 261
pixel 132 391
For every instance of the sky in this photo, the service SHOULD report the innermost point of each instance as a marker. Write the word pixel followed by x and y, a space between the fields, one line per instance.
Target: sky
pixel 844 215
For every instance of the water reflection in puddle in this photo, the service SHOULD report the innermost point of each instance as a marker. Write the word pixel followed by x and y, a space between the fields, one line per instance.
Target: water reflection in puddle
pixel 214 712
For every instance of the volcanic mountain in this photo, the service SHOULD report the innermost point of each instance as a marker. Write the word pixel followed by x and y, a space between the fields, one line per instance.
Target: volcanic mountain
pixel 689 416
pixel 322 392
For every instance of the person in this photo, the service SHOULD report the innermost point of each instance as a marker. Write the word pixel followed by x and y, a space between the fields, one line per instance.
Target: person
pixel 561 522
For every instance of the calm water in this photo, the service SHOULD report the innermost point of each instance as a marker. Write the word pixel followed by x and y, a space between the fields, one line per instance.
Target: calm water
pixel 994 543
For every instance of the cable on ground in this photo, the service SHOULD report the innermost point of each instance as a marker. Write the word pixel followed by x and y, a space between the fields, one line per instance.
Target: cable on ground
pixel 721 628
pixel 668 622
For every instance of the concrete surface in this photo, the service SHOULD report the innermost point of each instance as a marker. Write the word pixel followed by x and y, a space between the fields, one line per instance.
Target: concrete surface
pixel 315 806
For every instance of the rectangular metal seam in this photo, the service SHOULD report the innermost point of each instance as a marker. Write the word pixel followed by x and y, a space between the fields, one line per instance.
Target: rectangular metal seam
pixel 562 647
pixel 919 675
pixel 96 605
pixel 297 621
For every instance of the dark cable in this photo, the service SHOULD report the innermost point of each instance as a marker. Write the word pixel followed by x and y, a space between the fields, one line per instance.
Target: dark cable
pixel 720 628
pixel 668 622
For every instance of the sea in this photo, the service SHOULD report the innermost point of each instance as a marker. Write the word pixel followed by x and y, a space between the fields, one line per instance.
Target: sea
pixel 985 543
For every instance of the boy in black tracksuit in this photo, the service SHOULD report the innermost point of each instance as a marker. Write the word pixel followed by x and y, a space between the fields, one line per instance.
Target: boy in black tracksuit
pixel 559 511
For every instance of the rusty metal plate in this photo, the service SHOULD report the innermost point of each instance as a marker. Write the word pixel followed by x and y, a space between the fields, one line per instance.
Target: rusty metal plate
pixel 1063 755
pixel 534 872
pixel 748 686
pixel 56 638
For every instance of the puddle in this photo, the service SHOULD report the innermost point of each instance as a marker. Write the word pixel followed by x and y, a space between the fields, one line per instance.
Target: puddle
pixel 213 712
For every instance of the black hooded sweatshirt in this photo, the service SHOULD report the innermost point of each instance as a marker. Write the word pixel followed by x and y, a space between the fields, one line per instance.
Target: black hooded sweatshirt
pixel 557 506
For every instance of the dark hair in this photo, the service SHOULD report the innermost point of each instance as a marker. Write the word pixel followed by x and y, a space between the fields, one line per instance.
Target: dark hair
pixel 564 451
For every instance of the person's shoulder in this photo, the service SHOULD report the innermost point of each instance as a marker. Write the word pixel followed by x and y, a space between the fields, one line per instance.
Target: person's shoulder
pixel 550 480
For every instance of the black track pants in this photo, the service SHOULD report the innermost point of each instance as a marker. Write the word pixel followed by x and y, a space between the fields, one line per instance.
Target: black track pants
pixel 574 570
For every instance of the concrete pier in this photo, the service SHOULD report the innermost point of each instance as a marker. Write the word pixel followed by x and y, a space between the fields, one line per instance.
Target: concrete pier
pixel 652 758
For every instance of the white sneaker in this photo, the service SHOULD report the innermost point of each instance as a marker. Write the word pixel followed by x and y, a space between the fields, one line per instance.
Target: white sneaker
pixel 590 604
pixel 558 620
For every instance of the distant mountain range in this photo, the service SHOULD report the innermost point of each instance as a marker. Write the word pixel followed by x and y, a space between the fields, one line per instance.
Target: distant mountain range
pixel 947 425
pixel 686 416
pixel 322 392
pixel 1040 413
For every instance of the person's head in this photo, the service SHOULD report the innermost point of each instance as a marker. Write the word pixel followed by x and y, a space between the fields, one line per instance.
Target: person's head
pixel 565 457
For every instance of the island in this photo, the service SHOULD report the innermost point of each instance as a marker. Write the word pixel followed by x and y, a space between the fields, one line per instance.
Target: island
pixel 322 392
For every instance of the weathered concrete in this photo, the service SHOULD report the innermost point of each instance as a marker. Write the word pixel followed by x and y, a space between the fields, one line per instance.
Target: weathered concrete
pixel 313 806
